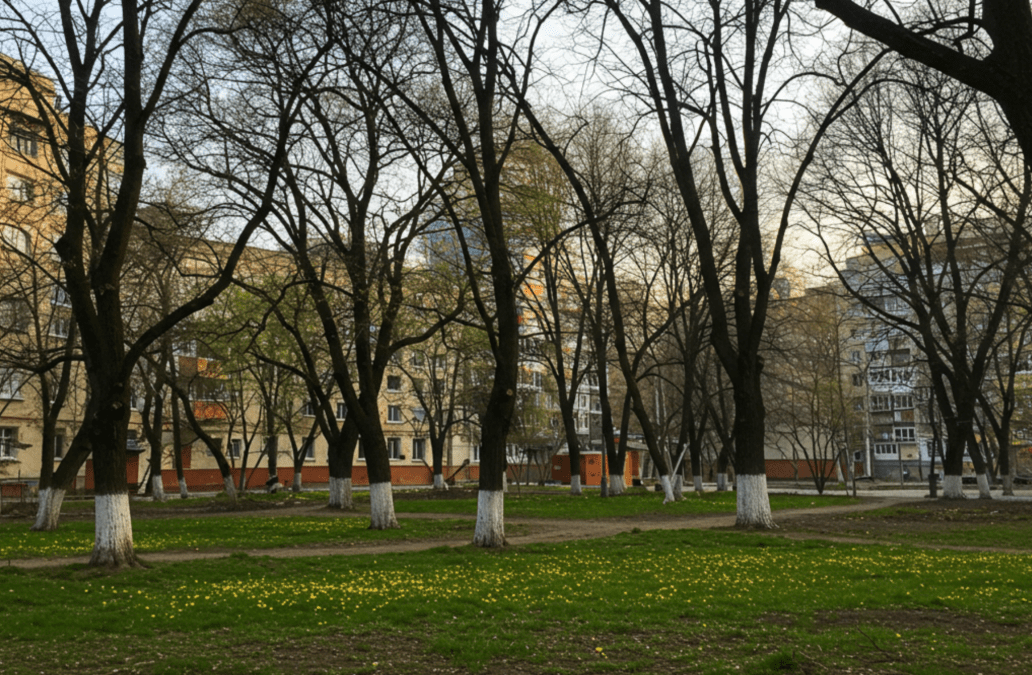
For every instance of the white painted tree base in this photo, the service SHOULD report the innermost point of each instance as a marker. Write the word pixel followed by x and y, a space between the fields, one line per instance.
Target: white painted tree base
pixel 952 487
pixel 490 528
pixel 668 490
pixel 697 481
pixel 157 489
pixel 1008 485
pixel 616 485
pixel 439 483
pixel 114 532
pixel 48 512
pixel 575 488
pixel 983 486
pixel 721 482
pixel 505 481
pixel 227 482
pixel 678 487
pixel 753 502
pixel 184 491
pixel 336 493
pixel 295 486
pixel 381 506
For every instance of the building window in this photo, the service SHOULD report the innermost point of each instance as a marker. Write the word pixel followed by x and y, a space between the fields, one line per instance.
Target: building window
pixel 419 449
pixel 394 383
pixel 15 239
pixel 342 410
pixel 308 450
pixel 475 453
pixel 14 316
pixel 59 446
pixel 417 359
pixel 8 437
pixel 854 356
pixel 235 448
pixel 394 448
pixel 24 142
pixel 880 402
pixel 902 401
pixel 61 297
pixel 60 326
pixel 10 384
pixel 308 409
pixel 361 450
pixel 21 189
pixel 885 449
pixel 418 385
pixel 858 379
pixel 903 434
pixel 537 380
pixel 394 414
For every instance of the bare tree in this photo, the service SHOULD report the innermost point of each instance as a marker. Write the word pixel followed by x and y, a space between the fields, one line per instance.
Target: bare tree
pixel 984 45
pixel 934 198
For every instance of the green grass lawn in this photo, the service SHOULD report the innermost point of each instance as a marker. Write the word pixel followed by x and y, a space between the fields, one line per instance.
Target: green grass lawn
pixel 220 533
pixel 999 531
pixel 650 602
pixel 590 505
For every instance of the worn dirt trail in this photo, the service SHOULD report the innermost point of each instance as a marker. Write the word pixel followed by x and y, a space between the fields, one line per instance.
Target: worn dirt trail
pixel 534 530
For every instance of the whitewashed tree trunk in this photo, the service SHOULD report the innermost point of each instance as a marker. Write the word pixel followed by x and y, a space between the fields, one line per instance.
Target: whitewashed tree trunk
pixel 697 481
pixel 983 486
pixel 952 487
pixel 184 492
pixel 439 483
pixel 227 481
pixel 721 482
pixel 753 502
pixel 575 488
pixel 157 488
pixel 505 482
pixel 296 485
pixel 678 487
pixel 114 532
pixel 336 493
pixel 616 485
pixel 1008 485
pixel 668 490
pixel 381 503
pixel 49 509
pixel 490 527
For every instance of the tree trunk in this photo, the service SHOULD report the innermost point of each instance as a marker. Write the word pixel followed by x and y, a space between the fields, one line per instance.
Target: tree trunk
pixel 575 487
pixel 381 502
pixel 678 487
pixel 177 448
pixel 753 502
pixel 49 509
pixel 296 483
pixel 439 483
pixel 157 485
pixel 952 487
pixel 105 434
pixel 983 486
pixel 616 484
pixel 341 458
pixel 697 481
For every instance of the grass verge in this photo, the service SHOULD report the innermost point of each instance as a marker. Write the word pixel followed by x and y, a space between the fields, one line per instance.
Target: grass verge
pixel 222 533
pixel 651 602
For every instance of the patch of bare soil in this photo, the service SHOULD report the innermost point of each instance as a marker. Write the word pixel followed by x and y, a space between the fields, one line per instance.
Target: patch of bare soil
pixel 913 517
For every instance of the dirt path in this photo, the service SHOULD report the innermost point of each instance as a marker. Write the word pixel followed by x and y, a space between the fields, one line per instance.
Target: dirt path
pixel 537 530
